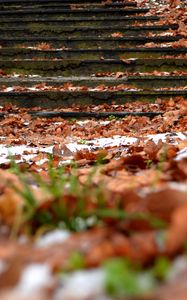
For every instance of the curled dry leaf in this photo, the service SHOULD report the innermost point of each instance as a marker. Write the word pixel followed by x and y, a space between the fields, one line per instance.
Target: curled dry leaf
pixel 10 199
pixel 177 233
pixel 117 35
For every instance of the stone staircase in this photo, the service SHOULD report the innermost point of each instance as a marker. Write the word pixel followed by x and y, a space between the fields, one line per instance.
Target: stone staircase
pixel 57 53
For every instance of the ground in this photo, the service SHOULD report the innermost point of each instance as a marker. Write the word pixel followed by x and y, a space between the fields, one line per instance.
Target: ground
pixel 95 209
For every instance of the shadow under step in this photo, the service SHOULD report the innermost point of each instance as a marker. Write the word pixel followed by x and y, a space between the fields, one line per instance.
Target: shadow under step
pixel 47 31
pixel 125 53
pixel 86 114
pixel 78 21
pixel 22 2
pixel 67 5
pixel 86 43
pixel 138 81
pixel 54 99
pixel 89 67
pixel 59 14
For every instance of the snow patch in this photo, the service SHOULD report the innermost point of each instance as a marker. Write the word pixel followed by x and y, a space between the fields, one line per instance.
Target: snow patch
pixel 82 285
pixel 56 236
pixel 178 267
pixel 34 278
pixel 2 266
pixel 100 143
pixel 182 154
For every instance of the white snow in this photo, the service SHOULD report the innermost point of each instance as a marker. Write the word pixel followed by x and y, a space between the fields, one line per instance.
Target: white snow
pixel 163 136
pixel 82 285
pixel 178 267
pixel 101 143
pixel 2 266
pixel 182 154
pixel 34 278
pixel 6 151
pixel 56 236
pixel 179 186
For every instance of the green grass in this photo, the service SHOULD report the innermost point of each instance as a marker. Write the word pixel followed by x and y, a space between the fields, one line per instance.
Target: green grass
pixel 122 279
pixel 82 142
pixel 73 205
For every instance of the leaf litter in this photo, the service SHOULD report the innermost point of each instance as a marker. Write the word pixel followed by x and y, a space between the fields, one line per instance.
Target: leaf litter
pixel 97 199
pixel 83 200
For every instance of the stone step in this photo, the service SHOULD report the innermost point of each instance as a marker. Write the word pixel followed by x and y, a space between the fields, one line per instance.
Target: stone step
pixel 24 2
pixel 69 67
pixel 60 14
pixel 76 21
pixel 87 42
pixel 125 53
pixel 67 5
pixel 69 43
pixel 69 31
pixel 54 99
pixel 85 114
pixel 138 81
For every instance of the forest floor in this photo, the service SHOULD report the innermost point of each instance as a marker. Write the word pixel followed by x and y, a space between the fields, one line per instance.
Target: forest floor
pixel 95 209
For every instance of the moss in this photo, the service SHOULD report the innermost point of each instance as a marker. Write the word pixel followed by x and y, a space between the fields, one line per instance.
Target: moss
pixel 56 99
pixel 79 67
pixel 36 27
pixel 46 29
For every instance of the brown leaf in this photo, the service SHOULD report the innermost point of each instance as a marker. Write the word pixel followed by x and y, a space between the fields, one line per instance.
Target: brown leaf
pixel 177 234
pixel 117 35
pixel 10 276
